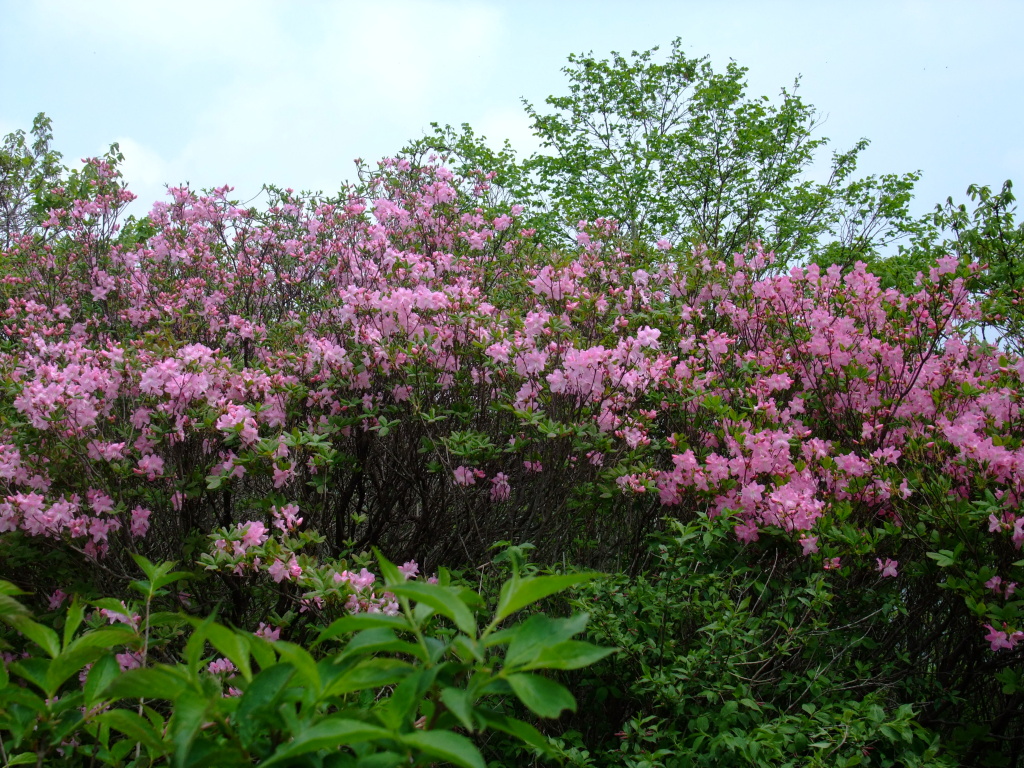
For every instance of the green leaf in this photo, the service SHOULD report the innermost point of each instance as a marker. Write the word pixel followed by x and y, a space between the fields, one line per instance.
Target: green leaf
pixel 136 728
pixel 305 666
pixel 382 639
pixel 513 727
pixel 190 710
pixel 25 758
pixel 103 671
pixel 527 640
pixel 330 734
pixel 371 673
pixel 260 696
pixel 68 664
pixel 232 645
pixel 570 654
pixel 460 704
pixel 447 746
pixel 76 612
pixel 360 621
pixel 518 593
pixel 147 683
pixel 543 697
pixel 39 634
pixel 444 600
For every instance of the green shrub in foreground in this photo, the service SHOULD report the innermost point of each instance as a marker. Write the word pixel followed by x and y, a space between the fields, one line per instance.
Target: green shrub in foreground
pixel 404 689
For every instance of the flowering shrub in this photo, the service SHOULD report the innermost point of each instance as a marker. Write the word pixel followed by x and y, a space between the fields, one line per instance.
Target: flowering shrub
pixel 258 392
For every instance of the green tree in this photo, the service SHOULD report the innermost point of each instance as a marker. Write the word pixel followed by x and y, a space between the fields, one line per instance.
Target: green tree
pixel 677 150
pixel 27 172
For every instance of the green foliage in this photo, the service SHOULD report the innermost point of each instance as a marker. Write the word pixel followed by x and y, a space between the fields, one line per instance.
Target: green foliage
pixel 676 150
pixel 410 688
pixel 734 655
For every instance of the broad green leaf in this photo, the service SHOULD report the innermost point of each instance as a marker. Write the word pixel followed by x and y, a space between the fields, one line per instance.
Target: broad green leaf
pixel 103 671
pixel 442 599
pixel 260 696
pixel 518 593
pixel 459 704
pixel 538 632
pixel 233 645
pixel 136 728
pixel 372 673
pixel 382 639
pixel 39 634
pixel 190 712
pixel 25 758
pixel 108 638
pixel 330 733
pixel 541 696
pixel 147 683
pixel 569 654
pixel 33 670
pixel 447 746
pixel 305 666
pixel 67 664
pixel 524 731
pixel 360 621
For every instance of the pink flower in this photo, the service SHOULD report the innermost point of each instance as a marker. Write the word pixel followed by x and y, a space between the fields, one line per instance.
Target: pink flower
pixel 746 532
pixel 831 564
pixel 500 488
pixel 409 569
pixel 255 534
pixel 278 570
pixel 220 666
pixel 999 640
pixel 129 660
pixel 152 466
pixel 140 521
pixel 888 568
pixel 464 476
pixel 268 633
pixel 810 544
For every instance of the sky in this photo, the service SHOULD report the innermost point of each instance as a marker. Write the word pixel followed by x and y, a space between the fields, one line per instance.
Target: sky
pixel 216 92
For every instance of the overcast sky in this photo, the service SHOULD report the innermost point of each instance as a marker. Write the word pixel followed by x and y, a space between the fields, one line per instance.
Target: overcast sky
pixel 223 92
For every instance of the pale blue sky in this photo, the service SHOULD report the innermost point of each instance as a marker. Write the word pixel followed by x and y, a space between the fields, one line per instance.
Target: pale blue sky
pixel 255 91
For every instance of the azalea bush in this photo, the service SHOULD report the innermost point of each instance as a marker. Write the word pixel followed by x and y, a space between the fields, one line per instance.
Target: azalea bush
pixel 264 394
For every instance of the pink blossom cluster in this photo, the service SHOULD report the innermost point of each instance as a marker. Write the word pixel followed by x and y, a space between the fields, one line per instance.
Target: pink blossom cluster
pixel 231 348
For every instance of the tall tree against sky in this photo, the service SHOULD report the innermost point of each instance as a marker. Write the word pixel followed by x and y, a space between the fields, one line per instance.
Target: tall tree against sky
pixel 673 149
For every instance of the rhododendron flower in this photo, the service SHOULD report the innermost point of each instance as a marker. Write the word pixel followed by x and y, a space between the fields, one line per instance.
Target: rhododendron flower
pixel 129 660
pixel 268 632
pixel 140 521
pixel 409 569
pixel 254 533
pixel 500 488
pixel 999 639
pixel 746 532
pixel 809 544
pixel 286 518
pixel 464 476
pixel 57 599
pixel 831 564
pixel 220 666
pixel 151 466
pixel 887 568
